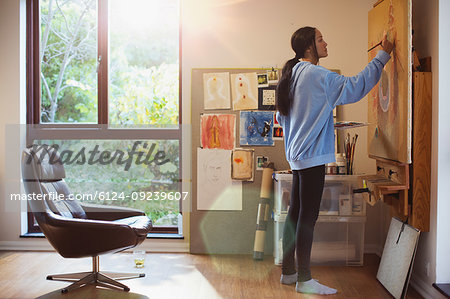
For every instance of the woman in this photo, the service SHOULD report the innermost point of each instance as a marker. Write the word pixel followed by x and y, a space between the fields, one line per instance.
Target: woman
pixel 306 96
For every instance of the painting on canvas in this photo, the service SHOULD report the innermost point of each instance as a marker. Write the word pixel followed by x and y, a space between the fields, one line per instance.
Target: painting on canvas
pixel 390 101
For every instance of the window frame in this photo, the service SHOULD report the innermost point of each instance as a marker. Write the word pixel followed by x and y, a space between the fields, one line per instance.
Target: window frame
pixel 40 131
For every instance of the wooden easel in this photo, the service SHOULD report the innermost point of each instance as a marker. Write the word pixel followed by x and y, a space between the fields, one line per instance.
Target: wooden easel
pixel 406 187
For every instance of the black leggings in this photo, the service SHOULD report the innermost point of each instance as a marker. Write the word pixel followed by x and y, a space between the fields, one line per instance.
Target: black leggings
pixel 306 194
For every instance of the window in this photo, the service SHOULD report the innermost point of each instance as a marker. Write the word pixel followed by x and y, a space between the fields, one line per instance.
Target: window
pixel 104 76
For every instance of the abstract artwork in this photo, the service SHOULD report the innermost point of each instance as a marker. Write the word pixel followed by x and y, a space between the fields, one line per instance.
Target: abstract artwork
pixel 390 101
pixel 218 131
pixel 256 128
pixel 277 132
pixel 266 98
pixel 244 91
pixel 216 90
pixel 242 164
pixel 215 188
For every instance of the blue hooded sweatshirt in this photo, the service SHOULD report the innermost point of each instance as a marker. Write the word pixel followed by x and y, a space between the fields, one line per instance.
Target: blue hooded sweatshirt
pixel 309 128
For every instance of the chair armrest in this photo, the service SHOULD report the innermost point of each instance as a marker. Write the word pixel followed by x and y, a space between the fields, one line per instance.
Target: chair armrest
pixel 109 213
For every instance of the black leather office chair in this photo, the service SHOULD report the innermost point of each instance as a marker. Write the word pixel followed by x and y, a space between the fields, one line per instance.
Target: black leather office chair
pixel 78 230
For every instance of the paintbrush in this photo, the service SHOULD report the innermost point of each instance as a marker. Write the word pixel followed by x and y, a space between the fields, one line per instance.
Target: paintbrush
pixel 375 46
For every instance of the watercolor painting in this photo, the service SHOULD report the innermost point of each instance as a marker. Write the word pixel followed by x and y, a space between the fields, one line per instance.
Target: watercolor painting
pixel 218 131
pixel 390 101
pixel 215 188
pixel 256 128
pixel 242 164
pixel 244 91
pixel 216 90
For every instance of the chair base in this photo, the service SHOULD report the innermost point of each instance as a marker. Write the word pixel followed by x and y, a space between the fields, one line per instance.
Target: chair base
pixel 95 277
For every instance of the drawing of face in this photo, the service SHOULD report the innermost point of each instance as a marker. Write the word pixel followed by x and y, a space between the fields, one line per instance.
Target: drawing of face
pixel 214 169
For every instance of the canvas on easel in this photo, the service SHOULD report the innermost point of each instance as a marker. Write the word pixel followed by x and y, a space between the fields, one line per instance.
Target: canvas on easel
pixel 397 259
pixel 390 101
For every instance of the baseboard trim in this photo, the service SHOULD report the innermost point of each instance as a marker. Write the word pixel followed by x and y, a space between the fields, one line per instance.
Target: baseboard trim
pixel 149 245
pixel 425 289
pixel 373 249
pixel 27 245
pixel 165 245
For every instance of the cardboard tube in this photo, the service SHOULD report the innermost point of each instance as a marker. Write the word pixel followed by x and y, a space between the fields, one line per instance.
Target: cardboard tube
pixel 266 183
pixel 259 241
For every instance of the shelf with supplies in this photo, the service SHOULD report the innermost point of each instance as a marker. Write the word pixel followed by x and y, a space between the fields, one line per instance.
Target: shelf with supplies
pixel 339 231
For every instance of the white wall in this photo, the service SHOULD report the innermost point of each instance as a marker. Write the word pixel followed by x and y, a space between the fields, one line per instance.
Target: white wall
pixel 12 87
pixel 443 142
pixel 426 43
pixel 233 34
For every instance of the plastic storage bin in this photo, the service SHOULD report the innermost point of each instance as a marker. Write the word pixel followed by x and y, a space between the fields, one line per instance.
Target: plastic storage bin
pixel 337 198
pixel 338 240
pixel 339 231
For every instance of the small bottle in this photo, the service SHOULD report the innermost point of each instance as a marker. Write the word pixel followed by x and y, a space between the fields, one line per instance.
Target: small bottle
pixel 341 163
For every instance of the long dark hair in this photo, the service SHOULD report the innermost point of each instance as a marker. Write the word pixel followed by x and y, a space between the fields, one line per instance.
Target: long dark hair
pixel 301 40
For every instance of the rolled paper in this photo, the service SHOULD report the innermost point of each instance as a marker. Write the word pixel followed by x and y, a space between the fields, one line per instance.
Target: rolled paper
pixel 258 249
pixel 266 183
pixel 263 212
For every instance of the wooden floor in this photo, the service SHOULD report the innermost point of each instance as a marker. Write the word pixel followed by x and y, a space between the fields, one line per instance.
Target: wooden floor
pixel 23 275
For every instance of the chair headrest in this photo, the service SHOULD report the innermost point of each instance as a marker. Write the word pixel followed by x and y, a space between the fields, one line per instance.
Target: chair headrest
pixel 43 163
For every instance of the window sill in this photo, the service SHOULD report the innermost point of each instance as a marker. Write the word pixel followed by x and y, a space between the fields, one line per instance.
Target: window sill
pixel 149 236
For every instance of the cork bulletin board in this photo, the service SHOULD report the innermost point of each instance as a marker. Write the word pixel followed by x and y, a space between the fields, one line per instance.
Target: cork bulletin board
pixel 227 231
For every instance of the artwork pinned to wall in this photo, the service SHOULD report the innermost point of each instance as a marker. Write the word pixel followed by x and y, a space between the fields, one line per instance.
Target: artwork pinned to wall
pixel 277 133
pixel 260 160
pixel 242 164
pixel 244 91
pixel 218 131
pixel 256 128
pixel 266 98
pixel 273 76
pixel 263 80
pixel 216 90
pixel 390 101
pixel 215 188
